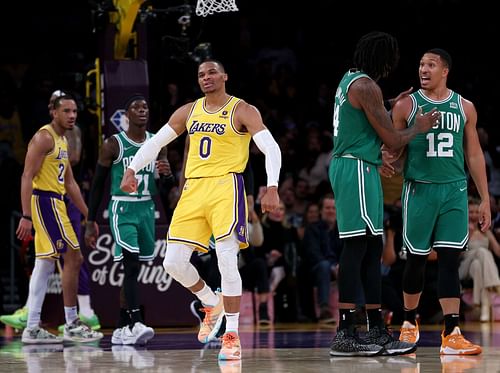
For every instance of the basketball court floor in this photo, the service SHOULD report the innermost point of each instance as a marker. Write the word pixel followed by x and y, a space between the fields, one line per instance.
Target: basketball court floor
pixel 281 348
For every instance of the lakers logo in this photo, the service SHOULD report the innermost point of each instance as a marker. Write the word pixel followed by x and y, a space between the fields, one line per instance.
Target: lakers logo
pixel 241 231
pixel 60 245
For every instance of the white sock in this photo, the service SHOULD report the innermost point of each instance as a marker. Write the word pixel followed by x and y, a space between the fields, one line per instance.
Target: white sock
pixel 84 306
pixel 232 322
pixel 71 314
pixel 207 296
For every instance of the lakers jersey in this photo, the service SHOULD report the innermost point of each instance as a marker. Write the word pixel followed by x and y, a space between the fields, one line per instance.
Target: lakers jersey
pixel 353 135
pixel 146 185
pixel 437 156
pixel 216 147
pixel 50 177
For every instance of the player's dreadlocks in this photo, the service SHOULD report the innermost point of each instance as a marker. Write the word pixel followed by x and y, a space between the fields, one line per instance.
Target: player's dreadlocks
pixel 376 54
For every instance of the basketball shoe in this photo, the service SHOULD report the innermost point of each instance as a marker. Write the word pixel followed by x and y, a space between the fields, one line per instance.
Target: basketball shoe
pixel 347 343
pixel 456 344
pixel 231 347
pixel 17 320
pixel 381 336
pixel 39 336
pixel 409 333
pixel 212 321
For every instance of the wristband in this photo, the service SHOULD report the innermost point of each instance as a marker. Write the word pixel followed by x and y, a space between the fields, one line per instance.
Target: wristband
pixel 27 217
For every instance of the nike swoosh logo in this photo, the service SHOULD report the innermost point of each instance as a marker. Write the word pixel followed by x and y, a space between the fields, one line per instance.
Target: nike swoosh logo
pixel 462 189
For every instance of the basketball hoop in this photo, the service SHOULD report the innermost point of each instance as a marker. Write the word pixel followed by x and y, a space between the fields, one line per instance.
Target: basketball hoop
pixel 207 7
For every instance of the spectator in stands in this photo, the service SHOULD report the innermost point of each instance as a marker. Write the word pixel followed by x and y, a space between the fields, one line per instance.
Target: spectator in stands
pixel 321 245
pixel 478 262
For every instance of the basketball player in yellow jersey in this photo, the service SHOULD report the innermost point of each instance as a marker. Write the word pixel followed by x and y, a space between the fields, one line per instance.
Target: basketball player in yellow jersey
pixel 220 127
pixel 46 180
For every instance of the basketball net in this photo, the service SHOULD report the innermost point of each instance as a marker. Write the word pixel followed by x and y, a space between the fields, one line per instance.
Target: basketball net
pixel 207 7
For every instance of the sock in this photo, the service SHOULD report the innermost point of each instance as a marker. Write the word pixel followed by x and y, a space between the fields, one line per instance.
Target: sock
pixel 346 318
pixel 71 314
pixel 411 316
pixel 135 316
pixel 124 318
pixel 232 322
pixel 84 306
pixel 375 318
pixel 207 296
pixel 450 321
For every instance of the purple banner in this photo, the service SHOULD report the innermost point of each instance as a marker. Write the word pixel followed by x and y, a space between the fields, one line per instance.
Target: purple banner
pixel 165 301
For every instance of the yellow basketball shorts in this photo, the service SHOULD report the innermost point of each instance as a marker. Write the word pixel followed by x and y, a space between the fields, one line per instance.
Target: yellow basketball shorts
pixel 54 233
pixel 211 205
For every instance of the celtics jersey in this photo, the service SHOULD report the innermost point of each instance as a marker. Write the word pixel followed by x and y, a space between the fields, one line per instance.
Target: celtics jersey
pixel 353 135
pixel 437 156
pixel 146 185
pixel 50 177
pixel 216 147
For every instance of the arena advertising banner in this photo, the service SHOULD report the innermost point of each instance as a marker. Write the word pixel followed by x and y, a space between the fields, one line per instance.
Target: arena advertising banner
pixel 164 302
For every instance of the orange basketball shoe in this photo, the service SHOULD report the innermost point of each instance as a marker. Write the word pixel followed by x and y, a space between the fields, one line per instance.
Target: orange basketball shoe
pixel 231 347
pixel 409 332
pixel 212 321
pixel 456 344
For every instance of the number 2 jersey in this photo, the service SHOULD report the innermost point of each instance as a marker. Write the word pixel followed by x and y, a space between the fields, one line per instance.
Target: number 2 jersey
pixel 146 186
pixel 50 178
pixel 216 147
pixel 437 156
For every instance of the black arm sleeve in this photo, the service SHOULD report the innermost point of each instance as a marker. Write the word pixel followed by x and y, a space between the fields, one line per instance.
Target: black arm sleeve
pixel 101 174
pixel 249 179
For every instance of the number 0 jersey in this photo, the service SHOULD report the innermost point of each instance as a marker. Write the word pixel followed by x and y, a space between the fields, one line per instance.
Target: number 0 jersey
pixel 437 156
pixel 50 177
pixel 216 147
pixel 146 186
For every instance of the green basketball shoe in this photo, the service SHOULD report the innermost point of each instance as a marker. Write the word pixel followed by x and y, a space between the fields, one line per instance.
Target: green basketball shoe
pixel 17 320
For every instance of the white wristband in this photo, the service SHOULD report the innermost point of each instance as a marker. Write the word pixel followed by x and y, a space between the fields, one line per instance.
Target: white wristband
pixel 150 149
pixel 267 145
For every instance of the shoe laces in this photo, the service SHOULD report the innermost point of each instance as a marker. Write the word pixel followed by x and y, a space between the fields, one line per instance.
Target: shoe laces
pixel 208 314
pixel 229 340
pixel 407 334
pixel 459 339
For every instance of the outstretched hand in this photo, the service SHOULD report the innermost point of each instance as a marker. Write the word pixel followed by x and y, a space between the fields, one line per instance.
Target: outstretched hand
pixel 129 182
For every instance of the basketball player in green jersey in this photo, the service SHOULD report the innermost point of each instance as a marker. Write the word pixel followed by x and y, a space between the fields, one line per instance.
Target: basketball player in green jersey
pixel 131 215
pixel 220 127
pixel 360 125
pixel 434 195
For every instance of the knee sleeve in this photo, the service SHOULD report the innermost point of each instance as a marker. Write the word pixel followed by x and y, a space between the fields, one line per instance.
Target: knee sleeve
pixel 177 264
pixel 448 280
pixel 414 273
pixel 227 255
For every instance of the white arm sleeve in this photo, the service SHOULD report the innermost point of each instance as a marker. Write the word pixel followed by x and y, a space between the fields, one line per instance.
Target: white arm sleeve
pixel 267 145
pixel 150 149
